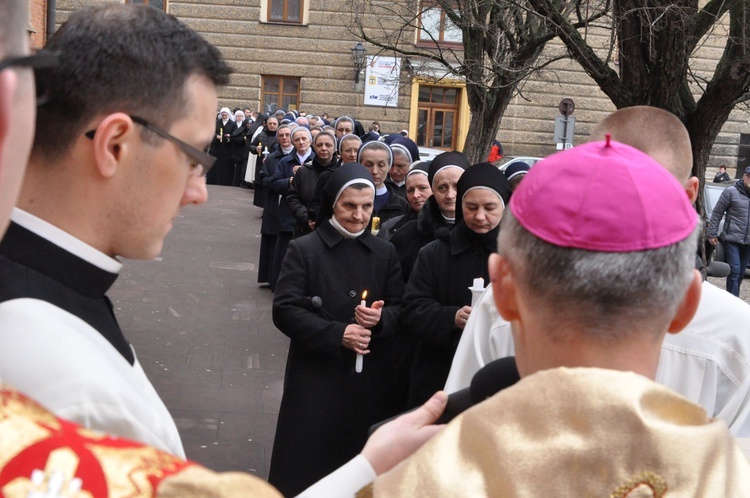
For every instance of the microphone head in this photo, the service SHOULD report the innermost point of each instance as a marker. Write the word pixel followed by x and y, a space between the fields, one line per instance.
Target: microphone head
pixel 316 301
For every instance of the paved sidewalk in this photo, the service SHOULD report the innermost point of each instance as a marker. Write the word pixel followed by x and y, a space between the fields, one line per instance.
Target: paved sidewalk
pixel 202 329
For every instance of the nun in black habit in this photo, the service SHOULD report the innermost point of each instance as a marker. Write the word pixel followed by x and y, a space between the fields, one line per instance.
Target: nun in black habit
pixel 437 299
pixel 327 406
pixel 221 147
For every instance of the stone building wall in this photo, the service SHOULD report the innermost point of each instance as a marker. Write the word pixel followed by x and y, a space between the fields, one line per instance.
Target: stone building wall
pixel 319 53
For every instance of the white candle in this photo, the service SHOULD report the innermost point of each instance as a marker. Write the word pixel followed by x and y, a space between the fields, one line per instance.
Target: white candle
pixel 360 359
pixel 476 290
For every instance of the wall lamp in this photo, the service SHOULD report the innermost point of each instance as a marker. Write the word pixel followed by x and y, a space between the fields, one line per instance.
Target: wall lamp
pixel 358 57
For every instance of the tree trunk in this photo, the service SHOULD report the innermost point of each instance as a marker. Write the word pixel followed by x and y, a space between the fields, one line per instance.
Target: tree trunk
pixel 487 110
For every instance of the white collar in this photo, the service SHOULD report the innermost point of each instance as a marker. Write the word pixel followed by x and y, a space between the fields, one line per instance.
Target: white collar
pixel 302 159
pixel 65 240
pixel 382 190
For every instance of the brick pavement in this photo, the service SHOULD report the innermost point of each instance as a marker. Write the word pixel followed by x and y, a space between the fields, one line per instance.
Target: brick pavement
pixel 202 329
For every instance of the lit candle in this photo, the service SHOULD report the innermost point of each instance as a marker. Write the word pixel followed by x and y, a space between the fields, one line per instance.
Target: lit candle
pixel 360 359
pixel 375 229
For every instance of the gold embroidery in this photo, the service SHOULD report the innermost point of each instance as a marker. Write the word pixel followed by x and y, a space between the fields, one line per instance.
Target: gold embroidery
pixel 57 479
pixel 654 481
pixel 133 471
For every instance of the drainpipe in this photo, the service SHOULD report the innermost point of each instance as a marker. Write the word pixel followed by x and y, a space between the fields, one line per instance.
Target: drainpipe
pixel 51 15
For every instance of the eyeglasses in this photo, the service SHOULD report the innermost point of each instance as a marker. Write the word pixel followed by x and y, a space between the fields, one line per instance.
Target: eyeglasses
pixel 43 59
pixel 201 161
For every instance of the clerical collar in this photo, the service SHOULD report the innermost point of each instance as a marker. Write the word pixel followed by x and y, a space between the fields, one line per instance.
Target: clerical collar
pixel 287 150
pixel 65 240
pixel 382 190
pixel 400 184
pixel 449 220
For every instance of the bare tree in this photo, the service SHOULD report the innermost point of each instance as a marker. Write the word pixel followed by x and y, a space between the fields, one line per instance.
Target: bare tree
pixel 503 43
pixel 657 40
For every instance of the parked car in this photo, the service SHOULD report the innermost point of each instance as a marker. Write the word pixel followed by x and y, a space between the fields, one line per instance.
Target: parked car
pixel 711 194
pixel 427 154
pixel 508 160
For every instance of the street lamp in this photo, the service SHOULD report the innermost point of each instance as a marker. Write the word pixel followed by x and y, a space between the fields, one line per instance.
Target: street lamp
pixel 358 57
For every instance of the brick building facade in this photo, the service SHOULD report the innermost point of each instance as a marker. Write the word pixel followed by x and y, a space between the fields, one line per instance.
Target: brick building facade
pixel 37 22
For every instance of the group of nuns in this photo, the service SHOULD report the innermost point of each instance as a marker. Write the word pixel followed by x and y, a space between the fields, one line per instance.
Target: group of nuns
pixel 374 323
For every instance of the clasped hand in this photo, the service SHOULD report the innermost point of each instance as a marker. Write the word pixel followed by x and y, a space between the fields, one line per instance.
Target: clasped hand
pixel 369 317
pixel 356 338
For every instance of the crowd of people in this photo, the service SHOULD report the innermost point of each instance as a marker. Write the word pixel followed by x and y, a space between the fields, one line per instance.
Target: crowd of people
pixel 375 312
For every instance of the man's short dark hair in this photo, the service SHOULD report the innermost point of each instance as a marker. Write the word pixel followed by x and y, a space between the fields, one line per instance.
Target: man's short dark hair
pixel 120 58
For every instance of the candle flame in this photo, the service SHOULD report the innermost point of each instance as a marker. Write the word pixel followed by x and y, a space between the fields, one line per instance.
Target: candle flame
pixel 364 295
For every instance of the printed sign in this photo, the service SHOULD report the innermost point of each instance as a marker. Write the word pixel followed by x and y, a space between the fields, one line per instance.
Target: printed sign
pixel 381 81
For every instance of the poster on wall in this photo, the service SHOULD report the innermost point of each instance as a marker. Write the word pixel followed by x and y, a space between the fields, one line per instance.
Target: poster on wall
pixel 381 81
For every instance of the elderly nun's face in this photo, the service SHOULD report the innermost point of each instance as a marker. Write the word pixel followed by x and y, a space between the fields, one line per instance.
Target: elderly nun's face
pixel 354 208
pixel 445 188
pixel 482 210
pixel 301 141
pixel 400 166
pixel 224 115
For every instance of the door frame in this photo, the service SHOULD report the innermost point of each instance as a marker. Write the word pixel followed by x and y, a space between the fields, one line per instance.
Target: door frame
pixel 464 116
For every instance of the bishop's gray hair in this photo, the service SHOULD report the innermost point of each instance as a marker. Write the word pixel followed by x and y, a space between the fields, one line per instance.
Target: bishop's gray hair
pixel 607 291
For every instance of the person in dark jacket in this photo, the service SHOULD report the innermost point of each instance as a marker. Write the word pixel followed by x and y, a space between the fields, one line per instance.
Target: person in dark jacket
pixel 348 146
pixel 269 228
pixel 437 297
pixel 417 192
pixel 437 214
pixel 405 153
pixel 327 407
pixel 344 125
pixel 283 176
pixel 735 202
pixel 302 189
pixel 377 158
pixel 239 154
pixel 722 176
pixel 221 147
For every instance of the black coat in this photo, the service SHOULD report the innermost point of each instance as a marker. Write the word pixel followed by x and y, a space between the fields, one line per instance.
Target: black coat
pixel 396 205
pixel 327 407
pixel 266 140
pixel 239 154
pixel 270 221
pixel 437 289
pixel 414 235
pixel 280 185
pixel 302 190
pixel 223 171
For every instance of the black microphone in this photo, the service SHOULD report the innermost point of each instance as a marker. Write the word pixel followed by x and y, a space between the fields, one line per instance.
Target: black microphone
pixel 489 380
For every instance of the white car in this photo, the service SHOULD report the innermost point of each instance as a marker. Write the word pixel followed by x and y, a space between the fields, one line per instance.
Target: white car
pixel 427 154
pixel 508 160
